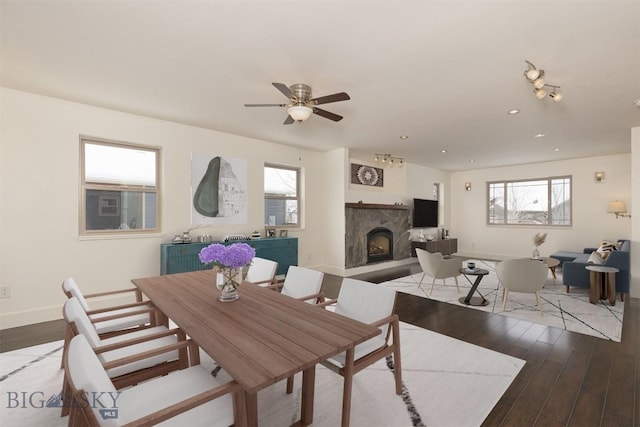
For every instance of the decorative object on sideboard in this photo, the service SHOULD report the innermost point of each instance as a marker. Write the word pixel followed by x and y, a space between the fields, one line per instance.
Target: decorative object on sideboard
pixel 388 159
pixel 598 177
pixel 467 186
pixel 270 232
pixel 536 77
pixel 366 175
pixel 619 208
pixel 538 240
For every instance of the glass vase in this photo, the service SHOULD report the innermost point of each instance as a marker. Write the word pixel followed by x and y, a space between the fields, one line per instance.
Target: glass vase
pixel 536 253
pixel 227 281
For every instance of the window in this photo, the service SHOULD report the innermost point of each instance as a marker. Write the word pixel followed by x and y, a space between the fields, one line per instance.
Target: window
pixel 119 187
pixel 544 201
pixel 281 196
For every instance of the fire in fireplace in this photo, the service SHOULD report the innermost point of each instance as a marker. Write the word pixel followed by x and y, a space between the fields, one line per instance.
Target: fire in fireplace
pixel 379 245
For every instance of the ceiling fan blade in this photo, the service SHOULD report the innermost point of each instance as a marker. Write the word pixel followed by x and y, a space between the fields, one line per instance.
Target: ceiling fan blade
pixel 289 120
pixel 284 89
pixel 265 105
pixel 342 96
pixel 327 114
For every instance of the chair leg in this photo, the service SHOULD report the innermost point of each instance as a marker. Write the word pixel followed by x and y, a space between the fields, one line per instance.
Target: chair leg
pixel 290 384
pixel 421 279
pixel 457 287
pixel 538 301
pixel 432 284
pixel 505 294
pixel 397 363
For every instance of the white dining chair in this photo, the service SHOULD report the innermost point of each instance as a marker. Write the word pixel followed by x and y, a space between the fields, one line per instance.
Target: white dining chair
pixel 125 345
pixel 189 397
pixel 261 271
pixel 138 311
pixel 303 284
pixel 438 267
pixel 373 305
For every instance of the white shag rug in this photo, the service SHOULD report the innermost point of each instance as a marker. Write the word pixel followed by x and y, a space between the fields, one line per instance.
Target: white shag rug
pixel 570 311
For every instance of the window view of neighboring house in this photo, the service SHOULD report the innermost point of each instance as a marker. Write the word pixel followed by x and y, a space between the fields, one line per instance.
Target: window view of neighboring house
pixel 544 201
pixel 120 187
pixel 281 196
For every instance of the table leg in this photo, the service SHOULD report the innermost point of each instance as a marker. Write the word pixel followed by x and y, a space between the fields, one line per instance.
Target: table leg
pixel 348 382
pixel 308 386
pixel 467 300
pixel 252 409
pixel 611 287
pixel 594 287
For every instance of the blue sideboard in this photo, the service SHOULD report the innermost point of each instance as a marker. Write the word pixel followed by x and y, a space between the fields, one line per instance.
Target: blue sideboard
pixel 181 258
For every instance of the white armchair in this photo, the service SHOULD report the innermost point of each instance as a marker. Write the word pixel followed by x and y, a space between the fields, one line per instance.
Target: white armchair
pixel 521 275
pixel 189 397
pixel 436 266
pixel 124 345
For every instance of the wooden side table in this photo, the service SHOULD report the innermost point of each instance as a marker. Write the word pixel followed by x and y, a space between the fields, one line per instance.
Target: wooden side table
pixel 602 283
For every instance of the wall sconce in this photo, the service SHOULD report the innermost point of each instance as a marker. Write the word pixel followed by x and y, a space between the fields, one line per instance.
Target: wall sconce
pixel 618 207
pixel 388 159
pixel 467 186
pixel 599 177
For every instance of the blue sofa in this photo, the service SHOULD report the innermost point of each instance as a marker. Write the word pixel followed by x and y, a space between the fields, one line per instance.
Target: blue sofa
pixel 574 272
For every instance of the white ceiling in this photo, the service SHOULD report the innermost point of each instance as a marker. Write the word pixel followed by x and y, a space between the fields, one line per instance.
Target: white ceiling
pixel 445 73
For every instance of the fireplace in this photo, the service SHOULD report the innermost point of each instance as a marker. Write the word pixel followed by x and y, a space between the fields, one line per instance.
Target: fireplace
pixel 379 245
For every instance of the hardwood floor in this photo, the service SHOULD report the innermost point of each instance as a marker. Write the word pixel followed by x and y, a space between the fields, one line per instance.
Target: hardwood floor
pixel 569 379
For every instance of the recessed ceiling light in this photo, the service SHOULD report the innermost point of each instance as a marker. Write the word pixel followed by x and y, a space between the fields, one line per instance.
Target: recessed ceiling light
pixel 471 161
pixel 513 112
pixel 556 149
pixel 443 151
pixel 539 135
pixel 404 136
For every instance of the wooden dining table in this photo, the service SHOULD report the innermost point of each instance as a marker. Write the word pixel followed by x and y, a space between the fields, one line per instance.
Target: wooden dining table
pixel 260 339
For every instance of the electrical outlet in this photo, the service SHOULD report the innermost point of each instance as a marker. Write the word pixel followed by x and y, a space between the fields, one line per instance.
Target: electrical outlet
pixel 5 291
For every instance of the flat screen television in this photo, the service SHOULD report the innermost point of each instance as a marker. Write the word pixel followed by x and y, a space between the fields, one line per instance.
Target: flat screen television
pixel 425 213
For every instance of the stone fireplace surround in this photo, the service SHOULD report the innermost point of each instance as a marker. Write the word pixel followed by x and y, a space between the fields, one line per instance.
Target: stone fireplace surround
pixel 361 218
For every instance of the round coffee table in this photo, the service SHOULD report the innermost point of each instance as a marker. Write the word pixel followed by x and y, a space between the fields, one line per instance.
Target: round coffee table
pixel 552 263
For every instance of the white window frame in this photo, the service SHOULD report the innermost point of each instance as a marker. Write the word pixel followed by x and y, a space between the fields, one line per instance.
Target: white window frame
pixel 297 197
pixel 550 205
pixel 117 187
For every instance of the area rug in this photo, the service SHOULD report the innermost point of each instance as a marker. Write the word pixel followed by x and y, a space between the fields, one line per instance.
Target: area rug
pixel 571 311
pixel 447 382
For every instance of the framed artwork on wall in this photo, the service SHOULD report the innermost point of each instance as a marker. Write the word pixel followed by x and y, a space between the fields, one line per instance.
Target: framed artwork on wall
pixel 367 175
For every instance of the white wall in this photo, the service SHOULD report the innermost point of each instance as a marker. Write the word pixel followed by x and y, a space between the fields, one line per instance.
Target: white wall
pixel 635 212
pixel 591 222
pixel 39 174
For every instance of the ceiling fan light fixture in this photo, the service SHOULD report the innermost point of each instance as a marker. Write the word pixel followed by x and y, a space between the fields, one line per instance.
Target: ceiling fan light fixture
pixel 300 113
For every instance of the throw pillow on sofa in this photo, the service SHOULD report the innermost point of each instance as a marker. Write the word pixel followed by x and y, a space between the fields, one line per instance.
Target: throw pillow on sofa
pixel 605 249
pixel 596 258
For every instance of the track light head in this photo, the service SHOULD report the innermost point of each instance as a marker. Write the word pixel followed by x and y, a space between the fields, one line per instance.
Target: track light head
pixel 540 93
pixel 557 97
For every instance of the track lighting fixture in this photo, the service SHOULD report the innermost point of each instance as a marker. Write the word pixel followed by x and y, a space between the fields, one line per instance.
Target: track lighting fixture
pixel 536 77
pixel 388 158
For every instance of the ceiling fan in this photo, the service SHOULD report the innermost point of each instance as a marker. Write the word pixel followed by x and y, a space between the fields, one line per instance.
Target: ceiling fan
pixel 301 105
